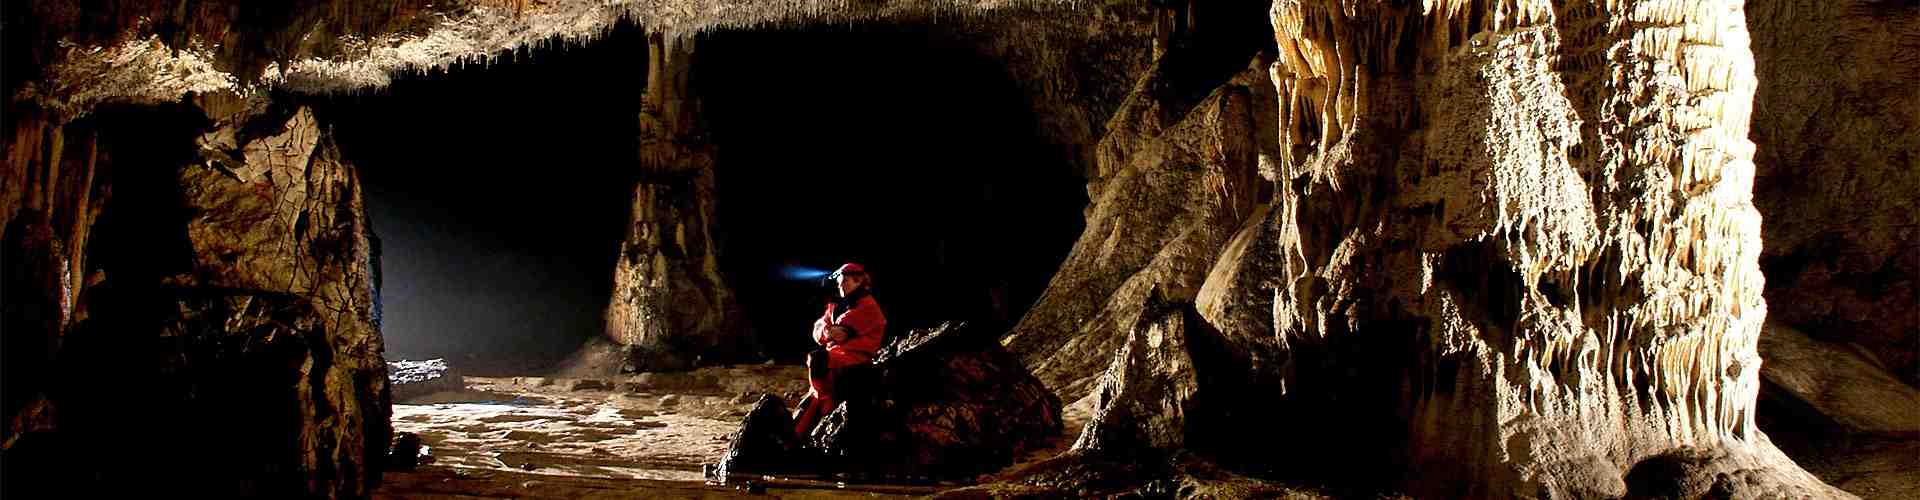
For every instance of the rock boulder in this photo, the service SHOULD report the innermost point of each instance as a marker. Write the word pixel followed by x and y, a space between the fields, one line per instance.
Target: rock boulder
pixel 945 402
pixel 412 379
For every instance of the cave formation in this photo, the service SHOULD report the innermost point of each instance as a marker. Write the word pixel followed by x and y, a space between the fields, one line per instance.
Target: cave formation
pixel 453 219
pixel 1654 248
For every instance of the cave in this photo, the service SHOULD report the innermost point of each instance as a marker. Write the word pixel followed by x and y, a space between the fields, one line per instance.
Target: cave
pixel 826 167
pixel 503 271
pixel 1152 249
pixel 918 160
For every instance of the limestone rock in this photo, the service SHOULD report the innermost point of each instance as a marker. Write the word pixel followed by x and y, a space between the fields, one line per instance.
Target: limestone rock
pixel 943 402
pixel 1149 397
pixel 939 403
pixel 406 452
pixel 1175 400
pixel 1074 64
pixel 413 379
pixel 349 45
pixel 235 315
pixel 1839 383
pixel 1084 474
pixel 589 384
pixel 1689 472
pixel 51 194
pixel 1158 222
pixel 1511 246
pixel 764 444
pixel 1839 415
pixel 1578 279
pixel 1838 162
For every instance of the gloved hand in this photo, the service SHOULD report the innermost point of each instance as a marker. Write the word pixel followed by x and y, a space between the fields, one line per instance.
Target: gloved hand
pixel 839 334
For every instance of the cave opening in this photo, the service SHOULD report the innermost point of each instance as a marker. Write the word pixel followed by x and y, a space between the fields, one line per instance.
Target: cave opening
pixel 499 196
pixel 909 152
pixel 501 193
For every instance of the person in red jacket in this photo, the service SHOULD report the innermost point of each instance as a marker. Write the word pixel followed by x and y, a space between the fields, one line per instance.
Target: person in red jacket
pixel 848 333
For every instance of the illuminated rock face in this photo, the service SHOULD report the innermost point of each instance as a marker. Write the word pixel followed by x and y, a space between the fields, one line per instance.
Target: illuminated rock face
pixel 1173 179
pixel 1525 231
pixel 1554 204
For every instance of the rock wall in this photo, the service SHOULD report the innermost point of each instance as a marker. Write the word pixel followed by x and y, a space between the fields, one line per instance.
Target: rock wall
pixel 1839 414
pixel 1837 121
pixel 225 317
pixel 1170 184
pixel 51 199
pixel 1511 249
pixel 1075 64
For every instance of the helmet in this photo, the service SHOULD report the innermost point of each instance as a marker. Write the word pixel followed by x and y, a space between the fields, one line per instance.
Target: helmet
pixel 849 268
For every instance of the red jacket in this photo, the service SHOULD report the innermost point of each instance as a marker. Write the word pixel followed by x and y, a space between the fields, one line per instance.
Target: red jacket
pixel 857 312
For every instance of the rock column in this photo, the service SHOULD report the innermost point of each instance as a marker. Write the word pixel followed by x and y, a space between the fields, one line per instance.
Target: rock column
pixel 670 306
pixel 1511 249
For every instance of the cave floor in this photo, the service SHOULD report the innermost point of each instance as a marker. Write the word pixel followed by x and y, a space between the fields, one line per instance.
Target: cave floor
pixel 645 436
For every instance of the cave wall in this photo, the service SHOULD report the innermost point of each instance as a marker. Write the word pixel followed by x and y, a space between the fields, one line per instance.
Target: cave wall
pixel 1834 119
pixel 1837 121
pixel 1527 234
pixel 1075 65
pixel 50 202
pixel 1170 183
pixel 224 315
pixel 1524 232
pixel 156 52
pixel 243 275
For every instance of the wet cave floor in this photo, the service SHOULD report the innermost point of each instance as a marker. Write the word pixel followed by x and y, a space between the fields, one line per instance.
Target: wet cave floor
pixel 645 436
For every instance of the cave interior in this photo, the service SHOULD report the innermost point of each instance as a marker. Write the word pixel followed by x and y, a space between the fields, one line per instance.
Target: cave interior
pixel 1126 249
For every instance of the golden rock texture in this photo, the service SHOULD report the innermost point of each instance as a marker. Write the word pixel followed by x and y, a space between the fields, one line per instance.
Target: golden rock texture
pixel 1524 231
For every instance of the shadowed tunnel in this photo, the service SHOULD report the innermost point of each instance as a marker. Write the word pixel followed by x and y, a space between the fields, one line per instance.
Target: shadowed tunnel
pixel 500 193
pixel 876 145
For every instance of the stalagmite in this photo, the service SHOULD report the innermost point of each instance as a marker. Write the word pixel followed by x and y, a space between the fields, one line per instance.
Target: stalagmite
pixel 670 306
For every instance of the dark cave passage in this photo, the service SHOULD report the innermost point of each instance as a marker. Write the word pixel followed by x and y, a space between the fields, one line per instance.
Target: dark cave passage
pixel 885 146
pixel 500 195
